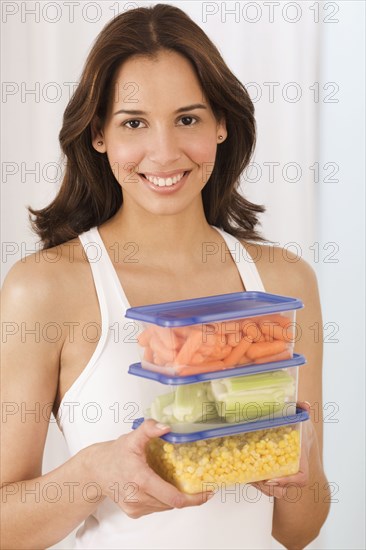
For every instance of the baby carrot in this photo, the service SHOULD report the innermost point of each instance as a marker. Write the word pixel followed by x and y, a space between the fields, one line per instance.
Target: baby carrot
pixel 229 327
pixel 203 367
pixel 281 320
pixel 244 360
pixel 212 353
pixel 183 332
pixel 197 358
pixel 209 339
pixel 278 357
pixel 189 347
pixel 251 331
pixel 164 353
pixel 167 337
pixel 224 352
pixel 148 354
pixel 263 349
pixel 158 360
pixel 144 338
pixel 234 338
pixel 237 352
pixel 180 331
pixel 207 349
pixel 275 331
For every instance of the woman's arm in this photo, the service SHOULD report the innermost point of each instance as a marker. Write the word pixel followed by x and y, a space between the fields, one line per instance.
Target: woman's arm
pixel 29 377
pixel 302 506
pixel 38 511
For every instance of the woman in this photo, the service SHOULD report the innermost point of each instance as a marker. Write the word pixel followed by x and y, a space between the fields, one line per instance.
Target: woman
pixel 156 137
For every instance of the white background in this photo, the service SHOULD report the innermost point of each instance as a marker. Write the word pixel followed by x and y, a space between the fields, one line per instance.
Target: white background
pixel 311 56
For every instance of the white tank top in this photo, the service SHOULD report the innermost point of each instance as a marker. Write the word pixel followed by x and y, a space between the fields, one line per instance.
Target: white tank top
pixel 102 404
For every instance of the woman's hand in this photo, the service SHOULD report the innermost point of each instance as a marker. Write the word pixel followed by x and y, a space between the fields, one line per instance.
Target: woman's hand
pixel 278 487
pixel 120 468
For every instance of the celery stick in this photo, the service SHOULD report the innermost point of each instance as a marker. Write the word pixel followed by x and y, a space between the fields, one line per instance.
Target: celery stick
pixel 159 404
pixel 257 381
pixel 256 397
pixel 250 397
pixel 189 402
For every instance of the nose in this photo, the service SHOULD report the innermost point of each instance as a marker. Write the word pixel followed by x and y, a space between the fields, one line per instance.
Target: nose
pixel 164 148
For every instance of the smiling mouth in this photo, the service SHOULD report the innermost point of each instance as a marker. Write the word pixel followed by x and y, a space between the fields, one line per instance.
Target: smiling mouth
pixel 164 182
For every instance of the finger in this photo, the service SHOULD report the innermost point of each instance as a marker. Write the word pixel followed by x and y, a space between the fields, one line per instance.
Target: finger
pixel 299 479
pixel 304 405
pixel 150 506
pixel 139 502
pixel 155 504
pixel 170 495
pixel 149 429
pixel 149 502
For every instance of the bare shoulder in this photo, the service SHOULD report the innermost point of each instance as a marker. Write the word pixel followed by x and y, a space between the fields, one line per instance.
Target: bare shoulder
pixel 282 271
pixel 45 276
pixel 34 305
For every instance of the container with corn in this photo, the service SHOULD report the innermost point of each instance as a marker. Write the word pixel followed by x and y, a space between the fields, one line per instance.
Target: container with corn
pixel 240 453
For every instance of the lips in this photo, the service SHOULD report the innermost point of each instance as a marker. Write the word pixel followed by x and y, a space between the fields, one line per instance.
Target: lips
pixel 165 175
pixel 165 189
pixel 177 175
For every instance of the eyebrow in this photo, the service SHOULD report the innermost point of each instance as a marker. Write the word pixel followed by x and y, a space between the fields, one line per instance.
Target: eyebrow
pixel 180 110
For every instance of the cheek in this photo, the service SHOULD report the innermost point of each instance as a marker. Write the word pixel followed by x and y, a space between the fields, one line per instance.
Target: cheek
pixel 202 149
pixel 203 153
pixel 124 160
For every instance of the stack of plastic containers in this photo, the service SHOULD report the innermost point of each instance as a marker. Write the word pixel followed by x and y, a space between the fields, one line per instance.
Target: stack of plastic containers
pixel 222 373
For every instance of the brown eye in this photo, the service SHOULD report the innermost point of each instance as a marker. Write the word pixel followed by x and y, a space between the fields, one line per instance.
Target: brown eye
pixel 134 122
pixel 188 119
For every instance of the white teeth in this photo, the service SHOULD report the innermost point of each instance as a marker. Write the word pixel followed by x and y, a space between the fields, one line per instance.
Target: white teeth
pixel 162 182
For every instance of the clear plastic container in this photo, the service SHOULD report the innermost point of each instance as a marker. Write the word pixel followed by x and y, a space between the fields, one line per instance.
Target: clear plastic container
pixel 216 332
pixel 242 453
pixel 203 401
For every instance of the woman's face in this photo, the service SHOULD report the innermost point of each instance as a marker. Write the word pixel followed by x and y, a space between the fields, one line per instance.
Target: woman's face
pixel 160 125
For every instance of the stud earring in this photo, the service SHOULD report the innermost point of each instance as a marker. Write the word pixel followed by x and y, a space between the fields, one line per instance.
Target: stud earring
pixel 99 143
pixel 221 137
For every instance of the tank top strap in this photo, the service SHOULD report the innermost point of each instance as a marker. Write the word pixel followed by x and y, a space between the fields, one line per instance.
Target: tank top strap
pixel 246 265
pixel 107 283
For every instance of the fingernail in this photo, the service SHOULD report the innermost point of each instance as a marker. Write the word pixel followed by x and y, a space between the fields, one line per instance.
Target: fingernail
pixel 161 426
pixel 271 482
pixel 307 403
pixel 210 495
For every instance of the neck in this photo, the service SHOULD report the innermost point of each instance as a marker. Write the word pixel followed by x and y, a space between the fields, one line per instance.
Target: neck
pixel 169 242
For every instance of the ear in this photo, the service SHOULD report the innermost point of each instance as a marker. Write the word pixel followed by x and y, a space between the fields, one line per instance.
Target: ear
pixel 221 130
pixel 97 136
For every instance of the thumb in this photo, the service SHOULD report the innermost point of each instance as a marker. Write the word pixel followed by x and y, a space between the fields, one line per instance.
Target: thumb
pixel 304 405
pixel 146 431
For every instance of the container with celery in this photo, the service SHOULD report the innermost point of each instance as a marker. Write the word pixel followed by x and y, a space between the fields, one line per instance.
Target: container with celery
pixel 246 394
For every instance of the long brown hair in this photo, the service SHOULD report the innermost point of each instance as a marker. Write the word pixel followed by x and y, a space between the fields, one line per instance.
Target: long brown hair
pixel 90 194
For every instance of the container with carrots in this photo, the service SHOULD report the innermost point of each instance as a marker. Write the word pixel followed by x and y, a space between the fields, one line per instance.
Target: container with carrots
pixel 216 333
